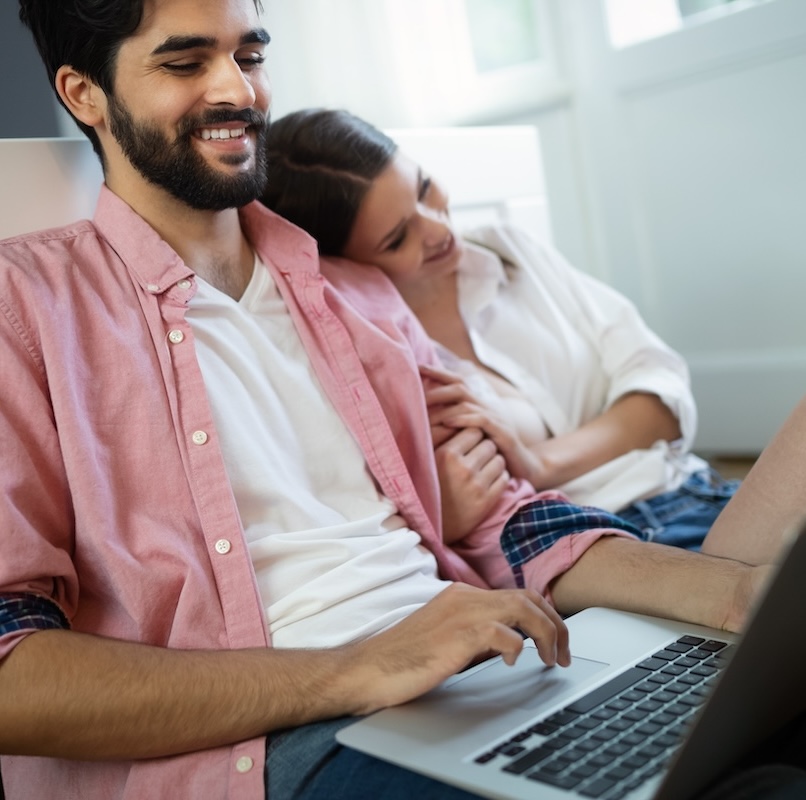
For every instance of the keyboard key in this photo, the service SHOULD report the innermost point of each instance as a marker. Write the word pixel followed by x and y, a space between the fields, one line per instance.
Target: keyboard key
pixel 649 705
pixel 666 655
pixel 693 640
pixel 648 728
pixel 588 724
pixel 635 761
pixel 528 761
pixel 619 704
pixel 597 788
pixel 544 728
pixel 563 717
pixel 617 773
pixel 699 654
pixel 608 690
pixel 679 647
pixel 652 663
pixel 603 713
pixel 561 781
pixel 511 750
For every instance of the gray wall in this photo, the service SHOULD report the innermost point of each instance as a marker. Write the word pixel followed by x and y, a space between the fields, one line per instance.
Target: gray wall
pixel 26 99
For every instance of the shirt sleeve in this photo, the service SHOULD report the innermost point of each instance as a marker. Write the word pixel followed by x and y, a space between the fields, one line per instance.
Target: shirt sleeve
pixel 36 519
pixel 632 356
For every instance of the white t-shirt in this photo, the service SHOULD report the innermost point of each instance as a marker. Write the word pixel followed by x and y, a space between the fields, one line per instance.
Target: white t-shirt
pixel 334 560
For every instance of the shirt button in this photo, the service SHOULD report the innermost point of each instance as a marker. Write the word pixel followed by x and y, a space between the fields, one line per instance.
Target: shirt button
pixel 223 547
pixel 183 284
pixel 153 287
pixel 244 764
pixel 176 336
pixel 199 437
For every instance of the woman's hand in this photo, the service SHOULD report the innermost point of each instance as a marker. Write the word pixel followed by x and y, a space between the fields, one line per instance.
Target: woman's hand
pixel 472 478
pixel 453 406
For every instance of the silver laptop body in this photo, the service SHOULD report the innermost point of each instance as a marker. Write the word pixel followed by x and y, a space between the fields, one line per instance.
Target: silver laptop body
pixel 458 732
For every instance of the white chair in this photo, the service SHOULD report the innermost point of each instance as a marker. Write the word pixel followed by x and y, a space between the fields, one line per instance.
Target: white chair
pixel 47 182
pixel 492 173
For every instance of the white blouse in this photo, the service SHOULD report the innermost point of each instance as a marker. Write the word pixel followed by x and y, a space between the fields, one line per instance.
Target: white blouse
pixel 573 346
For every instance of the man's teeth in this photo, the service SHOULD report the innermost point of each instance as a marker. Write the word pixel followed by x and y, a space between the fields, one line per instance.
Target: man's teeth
pixel 222 133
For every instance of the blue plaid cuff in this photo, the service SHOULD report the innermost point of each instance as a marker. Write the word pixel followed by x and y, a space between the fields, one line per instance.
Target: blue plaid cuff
pixel 535 527
pixel 23 612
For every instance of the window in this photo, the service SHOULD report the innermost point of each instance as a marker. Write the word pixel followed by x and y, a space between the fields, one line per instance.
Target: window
pixel 632 21
pixel 470 61
pixel 503 35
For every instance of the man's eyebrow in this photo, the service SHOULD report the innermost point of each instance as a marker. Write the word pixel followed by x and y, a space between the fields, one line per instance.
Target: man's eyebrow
pixel 176 44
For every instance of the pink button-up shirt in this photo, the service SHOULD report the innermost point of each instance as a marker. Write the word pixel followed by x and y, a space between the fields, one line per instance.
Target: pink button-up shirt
pixel 115 500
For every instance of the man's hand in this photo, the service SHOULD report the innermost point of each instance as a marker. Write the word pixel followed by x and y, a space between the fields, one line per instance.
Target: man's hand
pixel 459 626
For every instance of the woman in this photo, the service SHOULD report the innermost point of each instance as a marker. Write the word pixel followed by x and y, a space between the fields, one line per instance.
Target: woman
pixel 556 368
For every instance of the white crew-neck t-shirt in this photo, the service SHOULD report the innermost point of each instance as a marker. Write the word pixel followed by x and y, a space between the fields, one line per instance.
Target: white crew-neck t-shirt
pixel 334 560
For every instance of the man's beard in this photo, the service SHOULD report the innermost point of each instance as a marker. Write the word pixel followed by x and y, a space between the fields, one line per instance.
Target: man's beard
pixel 177 167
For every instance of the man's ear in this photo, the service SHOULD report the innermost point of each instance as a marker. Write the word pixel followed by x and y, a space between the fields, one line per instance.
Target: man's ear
pixel 84 99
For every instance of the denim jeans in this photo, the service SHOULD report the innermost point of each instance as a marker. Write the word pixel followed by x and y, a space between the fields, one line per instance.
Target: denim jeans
pixel 683 517
pixel 307 763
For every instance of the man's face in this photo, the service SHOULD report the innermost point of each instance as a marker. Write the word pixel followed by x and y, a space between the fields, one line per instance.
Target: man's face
pixel 190 108
pixel 176 165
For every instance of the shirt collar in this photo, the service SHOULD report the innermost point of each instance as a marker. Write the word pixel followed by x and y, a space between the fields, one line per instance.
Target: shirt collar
pixel 481 275
pixel 156 266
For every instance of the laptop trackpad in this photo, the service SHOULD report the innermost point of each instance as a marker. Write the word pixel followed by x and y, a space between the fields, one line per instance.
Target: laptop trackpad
pixel 496 688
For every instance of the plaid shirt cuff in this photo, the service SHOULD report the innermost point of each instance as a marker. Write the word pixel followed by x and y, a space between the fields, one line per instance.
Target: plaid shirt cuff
pixel 23 612
pixel 534 528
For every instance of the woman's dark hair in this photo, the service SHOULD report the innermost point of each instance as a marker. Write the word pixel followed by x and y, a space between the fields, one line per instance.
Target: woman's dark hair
pixel 321 163
pixel 86 34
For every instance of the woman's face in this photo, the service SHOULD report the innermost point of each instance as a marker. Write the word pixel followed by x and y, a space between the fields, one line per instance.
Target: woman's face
pixel 403 226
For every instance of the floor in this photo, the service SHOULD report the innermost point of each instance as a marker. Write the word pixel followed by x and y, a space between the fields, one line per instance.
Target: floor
pixel 732 466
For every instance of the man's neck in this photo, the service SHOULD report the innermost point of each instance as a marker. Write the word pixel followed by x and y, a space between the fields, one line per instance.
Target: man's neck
pixel 211 243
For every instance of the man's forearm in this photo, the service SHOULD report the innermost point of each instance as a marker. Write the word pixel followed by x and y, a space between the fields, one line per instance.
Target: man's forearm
pixel 73 695
pixel 662 581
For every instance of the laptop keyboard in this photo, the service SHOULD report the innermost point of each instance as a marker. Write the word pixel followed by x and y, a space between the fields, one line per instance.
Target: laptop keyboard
pixel 608 742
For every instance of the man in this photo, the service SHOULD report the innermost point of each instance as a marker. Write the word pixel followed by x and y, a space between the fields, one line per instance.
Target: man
pixel 196 463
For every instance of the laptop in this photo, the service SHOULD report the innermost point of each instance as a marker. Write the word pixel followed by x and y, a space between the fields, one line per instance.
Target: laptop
pixel 649 708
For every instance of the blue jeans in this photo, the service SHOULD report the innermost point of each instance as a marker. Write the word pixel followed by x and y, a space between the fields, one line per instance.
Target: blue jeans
pixel 307 763
pixel 683 517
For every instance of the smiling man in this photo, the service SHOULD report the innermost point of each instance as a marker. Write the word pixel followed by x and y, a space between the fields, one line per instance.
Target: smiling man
pixel 212 541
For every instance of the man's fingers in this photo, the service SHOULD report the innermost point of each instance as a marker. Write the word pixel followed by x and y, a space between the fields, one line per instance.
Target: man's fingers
pixel 551 633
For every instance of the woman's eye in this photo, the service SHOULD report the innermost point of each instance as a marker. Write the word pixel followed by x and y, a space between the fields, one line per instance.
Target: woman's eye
pixel 395 244
pixel 425 187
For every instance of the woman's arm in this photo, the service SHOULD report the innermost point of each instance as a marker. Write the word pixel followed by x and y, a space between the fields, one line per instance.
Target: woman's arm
pixel 636 420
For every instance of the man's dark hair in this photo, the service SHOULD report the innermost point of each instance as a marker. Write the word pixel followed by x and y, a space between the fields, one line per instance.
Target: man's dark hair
pixel 86 34
pixel 321 163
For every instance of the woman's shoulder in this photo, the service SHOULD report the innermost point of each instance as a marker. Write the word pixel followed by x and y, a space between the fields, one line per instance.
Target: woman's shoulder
pixel 515 247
